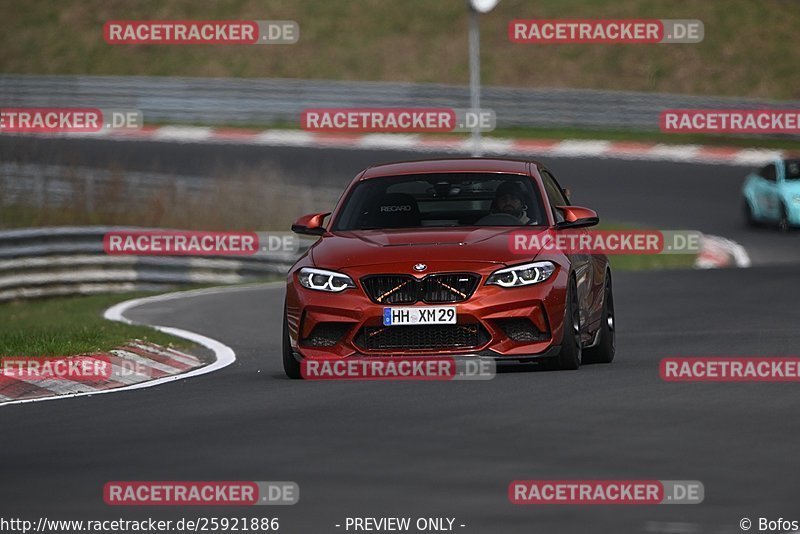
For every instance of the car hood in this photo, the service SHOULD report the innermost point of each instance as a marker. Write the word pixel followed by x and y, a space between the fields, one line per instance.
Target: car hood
pixel 373 247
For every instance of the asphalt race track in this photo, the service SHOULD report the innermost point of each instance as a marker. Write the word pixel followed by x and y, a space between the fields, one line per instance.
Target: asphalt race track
pixel 449 449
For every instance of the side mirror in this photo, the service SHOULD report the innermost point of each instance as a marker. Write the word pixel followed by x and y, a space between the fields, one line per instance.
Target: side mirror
pixel 577 217
pixel 310 224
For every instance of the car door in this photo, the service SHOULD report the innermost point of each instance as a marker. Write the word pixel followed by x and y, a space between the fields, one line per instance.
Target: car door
pixel 582 263
pixel 765 189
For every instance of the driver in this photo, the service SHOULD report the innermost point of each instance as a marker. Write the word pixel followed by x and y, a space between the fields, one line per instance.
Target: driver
pixel 509 198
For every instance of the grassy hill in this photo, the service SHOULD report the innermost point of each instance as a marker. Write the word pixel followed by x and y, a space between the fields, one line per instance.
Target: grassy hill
pixel 750 46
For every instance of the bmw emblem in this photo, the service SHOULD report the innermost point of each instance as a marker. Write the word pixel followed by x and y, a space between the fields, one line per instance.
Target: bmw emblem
pixel 420 267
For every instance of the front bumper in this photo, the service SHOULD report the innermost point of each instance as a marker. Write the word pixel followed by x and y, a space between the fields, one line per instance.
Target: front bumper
pixel 513 325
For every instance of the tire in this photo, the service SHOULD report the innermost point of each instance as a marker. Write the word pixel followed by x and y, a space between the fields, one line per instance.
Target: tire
pixel 290 364
pixel 783 222
pixel 606 346
pixel 569 359
pixel 748 215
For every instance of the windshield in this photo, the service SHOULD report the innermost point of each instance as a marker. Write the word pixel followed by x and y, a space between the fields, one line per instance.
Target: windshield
pixel 442 200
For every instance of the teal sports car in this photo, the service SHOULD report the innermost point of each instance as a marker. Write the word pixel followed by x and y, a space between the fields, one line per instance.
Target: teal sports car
pixel 772 194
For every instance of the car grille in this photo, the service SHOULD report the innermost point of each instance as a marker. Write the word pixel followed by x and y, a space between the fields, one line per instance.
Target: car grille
pixel 433 289
pixel 422 337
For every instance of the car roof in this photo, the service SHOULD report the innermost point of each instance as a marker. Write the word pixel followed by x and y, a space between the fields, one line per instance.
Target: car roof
pixel 450 165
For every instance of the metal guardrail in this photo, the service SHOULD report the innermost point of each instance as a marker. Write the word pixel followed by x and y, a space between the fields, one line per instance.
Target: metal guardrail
pixel 38 262
pixel 268 101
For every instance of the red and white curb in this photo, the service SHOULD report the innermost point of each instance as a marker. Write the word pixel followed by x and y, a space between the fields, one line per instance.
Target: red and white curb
pixel 718 252
pixel 164 360
pixel 133 363
pixel 572 148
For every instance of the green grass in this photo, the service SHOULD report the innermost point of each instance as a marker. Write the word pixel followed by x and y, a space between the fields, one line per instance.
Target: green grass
pixel 651 262
pixel 645 262
pixel 66 326
pixel 750 46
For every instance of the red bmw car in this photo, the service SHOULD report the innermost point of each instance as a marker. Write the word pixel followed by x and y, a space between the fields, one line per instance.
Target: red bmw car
pixel 417 261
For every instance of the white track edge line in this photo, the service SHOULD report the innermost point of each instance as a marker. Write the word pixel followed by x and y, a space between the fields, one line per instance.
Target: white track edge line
pixel 224 354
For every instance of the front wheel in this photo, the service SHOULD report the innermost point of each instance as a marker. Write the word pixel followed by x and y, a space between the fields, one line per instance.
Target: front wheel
pixel 783 222
pixel 606 346
pixel 571 346
pixel 748 215
pixel 290 364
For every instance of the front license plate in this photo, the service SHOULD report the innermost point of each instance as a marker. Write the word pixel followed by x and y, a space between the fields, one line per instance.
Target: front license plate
pixel 419 315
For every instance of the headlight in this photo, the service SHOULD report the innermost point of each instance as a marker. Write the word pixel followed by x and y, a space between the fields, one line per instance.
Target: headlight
pixel 323 280
pixel 523 275
pixel 796 199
